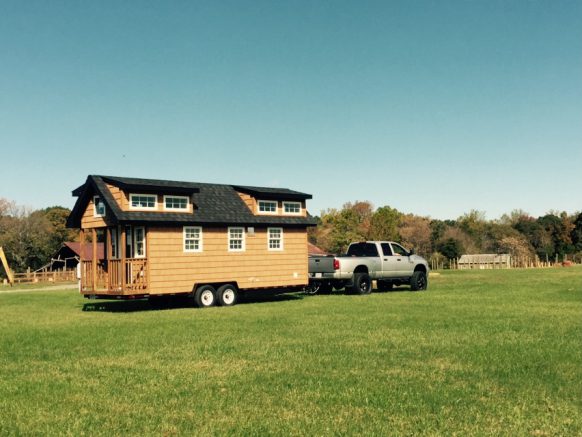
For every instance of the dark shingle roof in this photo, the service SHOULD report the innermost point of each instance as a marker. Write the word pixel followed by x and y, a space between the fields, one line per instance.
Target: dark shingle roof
pixel 215 204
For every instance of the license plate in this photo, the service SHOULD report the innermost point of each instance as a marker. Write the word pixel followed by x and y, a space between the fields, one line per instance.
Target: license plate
pixel 319 275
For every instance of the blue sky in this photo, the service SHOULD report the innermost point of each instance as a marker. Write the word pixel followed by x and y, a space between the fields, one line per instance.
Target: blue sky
pixel 431 107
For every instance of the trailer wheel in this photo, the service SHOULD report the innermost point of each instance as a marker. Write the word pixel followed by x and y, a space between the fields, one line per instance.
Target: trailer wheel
pixel 362 283
pixel 227 295
pixel 205 296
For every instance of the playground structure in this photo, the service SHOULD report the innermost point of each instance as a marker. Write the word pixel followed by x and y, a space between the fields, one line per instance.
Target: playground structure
pixel 9 273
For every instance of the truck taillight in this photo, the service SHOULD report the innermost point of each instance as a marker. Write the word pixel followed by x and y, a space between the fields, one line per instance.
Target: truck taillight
pixel 336 265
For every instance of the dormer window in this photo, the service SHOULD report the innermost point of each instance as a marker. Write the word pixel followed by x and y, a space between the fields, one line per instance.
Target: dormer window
pixel 99 207
pixel 292 208
pixel 176 203
pixel 143 201
pixel 267 207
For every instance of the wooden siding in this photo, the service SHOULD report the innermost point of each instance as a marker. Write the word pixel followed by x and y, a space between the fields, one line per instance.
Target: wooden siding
pixel 249 201
pixel 119 196
pixel 171 270
pixel 88 221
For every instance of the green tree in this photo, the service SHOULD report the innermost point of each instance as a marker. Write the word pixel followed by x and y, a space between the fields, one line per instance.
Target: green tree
pixel 450 248
pixel 384 224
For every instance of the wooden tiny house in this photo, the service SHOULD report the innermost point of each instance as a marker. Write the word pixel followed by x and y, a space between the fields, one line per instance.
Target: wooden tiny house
pixel 165 237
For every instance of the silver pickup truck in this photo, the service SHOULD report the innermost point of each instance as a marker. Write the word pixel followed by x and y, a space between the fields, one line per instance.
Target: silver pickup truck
pixel 385 261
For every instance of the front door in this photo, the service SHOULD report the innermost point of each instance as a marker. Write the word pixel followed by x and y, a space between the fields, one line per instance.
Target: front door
pixel 135 242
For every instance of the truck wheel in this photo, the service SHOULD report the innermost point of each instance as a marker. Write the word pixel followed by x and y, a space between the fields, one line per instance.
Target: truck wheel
pixel 418 281
pixel 362 283
pixel 227 295
pixel 205 296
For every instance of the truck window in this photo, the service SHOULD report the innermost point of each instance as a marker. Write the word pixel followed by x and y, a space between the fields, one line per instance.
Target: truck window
pixel 399 250
pixel 363 249
pixel 386 251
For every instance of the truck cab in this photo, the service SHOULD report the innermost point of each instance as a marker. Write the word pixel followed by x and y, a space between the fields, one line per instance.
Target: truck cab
pixel 387 262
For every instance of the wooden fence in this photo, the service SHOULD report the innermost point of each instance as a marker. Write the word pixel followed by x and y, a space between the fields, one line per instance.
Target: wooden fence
pixel 514 262
pixel 50 277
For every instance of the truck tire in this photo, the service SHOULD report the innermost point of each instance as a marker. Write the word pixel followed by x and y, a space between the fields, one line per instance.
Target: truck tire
pixel 205 296
pixel 227 295
pixel 362 283
pixel 418 281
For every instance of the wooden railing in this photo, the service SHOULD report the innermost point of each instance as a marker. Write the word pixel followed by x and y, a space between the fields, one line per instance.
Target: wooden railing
pixel 114 276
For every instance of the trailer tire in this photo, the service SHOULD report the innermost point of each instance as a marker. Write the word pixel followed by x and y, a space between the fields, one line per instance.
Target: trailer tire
pixel 227 295
pixel 419 281
pixel 362 283
pixel 205 296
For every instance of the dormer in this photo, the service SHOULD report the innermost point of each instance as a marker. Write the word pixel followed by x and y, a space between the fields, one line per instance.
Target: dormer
pixel 274 201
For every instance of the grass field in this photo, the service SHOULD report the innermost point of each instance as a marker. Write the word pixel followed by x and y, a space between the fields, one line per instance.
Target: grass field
pixel 488 352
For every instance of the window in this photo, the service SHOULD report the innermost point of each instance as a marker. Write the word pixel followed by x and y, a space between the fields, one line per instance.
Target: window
pixel 139 245
pixel 292 207
pixel 275 238
pixel 399 250
pixel 99 207
pixel 143 201
pixel 267 207
pixel 114 243
pixel 386 251
pixel 362 249
pixel 179 203
pixel 236 239
pixel 192 239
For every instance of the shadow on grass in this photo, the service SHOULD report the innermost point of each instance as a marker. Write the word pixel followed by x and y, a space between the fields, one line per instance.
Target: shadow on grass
pixel 130 306
pixel 346 292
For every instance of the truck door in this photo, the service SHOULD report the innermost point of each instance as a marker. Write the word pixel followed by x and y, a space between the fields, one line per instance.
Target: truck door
pixel 389 264
pixel 404 266
pixel 374 260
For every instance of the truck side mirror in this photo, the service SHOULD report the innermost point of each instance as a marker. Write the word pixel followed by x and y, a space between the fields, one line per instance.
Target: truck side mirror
pixel 411 252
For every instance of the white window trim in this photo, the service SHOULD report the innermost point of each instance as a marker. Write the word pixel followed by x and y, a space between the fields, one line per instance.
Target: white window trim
pixel 200 240
pixel 293 213
pixel 141 207
pixel 276 212
pixel 177 209
pixel 243 248
pixel 278 249
pixel 95 213
pixel 134 243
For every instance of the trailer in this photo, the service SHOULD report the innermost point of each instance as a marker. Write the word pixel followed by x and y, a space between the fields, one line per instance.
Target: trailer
pixel 206 242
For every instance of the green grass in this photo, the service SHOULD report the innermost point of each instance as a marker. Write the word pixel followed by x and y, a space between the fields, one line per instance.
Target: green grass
pixel 479 353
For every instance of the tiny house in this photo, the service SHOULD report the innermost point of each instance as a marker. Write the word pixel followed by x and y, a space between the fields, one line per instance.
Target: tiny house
pixel 208 240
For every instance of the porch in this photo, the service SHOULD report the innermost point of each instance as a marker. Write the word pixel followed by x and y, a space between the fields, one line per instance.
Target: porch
pixel 124 269
pixel 114 276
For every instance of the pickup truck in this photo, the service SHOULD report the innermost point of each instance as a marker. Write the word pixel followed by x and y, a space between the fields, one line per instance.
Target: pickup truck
pixel 385 261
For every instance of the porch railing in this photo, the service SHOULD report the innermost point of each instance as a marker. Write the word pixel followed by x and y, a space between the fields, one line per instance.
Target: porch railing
pixel 116 275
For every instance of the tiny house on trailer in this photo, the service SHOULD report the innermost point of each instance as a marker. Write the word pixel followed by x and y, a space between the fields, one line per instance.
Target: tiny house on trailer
pixel 210 241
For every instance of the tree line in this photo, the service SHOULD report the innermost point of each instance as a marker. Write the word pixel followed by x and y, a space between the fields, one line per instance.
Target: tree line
pixel 31 237
pixel 556 235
